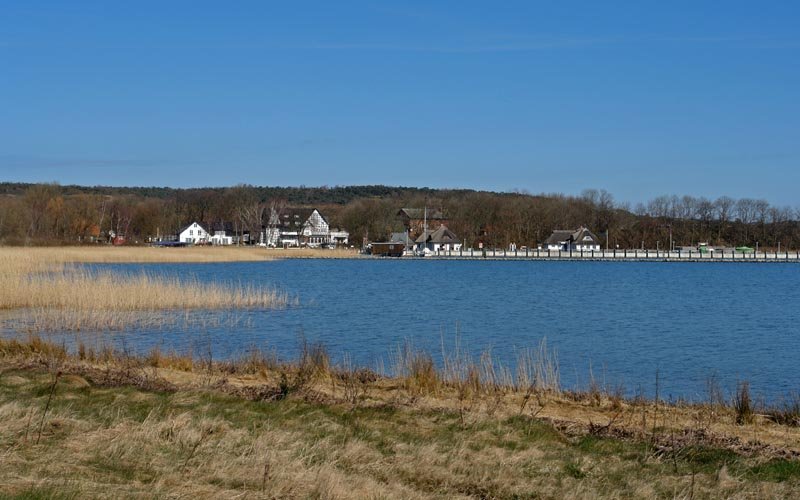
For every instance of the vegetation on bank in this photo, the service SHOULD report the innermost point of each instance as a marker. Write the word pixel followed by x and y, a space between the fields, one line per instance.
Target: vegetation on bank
pixel 46 291
pixel 51 214
pixel 105 254
pixel 106 424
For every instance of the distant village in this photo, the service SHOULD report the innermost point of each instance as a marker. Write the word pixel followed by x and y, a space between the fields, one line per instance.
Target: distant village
pixel 284 228
pixel 426 232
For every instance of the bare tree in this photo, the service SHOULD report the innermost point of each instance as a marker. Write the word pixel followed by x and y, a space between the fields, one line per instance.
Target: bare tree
pixel 723 206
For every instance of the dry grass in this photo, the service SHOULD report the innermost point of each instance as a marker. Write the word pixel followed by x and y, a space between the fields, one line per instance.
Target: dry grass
pixel 117 426
pixel 192 254
pixel 56 295
pixel 313 253
pixel 84 290
pixel 109 254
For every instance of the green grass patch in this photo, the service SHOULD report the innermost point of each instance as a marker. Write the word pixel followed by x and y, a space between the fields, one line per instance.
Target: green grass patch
pixel 778 471
pixel 573 469
pixel 42 493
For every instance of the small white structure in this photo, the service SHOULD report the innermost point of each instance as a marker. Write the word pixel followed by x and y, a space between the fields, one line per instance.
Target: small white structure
pixel 578 240
pixel 222 233
pixel 339 237
pixel 220 238
pixel 193 234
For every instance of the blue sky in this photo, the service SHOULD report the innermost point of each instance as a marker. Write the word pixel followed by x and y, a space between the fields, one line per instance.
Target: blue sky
pixel 639 98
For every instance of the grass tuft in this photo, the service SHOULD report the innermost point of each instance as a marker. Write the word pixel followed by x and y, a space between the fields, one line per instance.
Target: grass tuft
pixel 742 404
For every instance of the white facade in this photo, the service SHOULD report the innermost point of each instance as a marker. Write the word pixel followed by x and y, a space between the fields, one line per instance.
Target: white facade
pixel 439 247
pixel 339 237
pixel 194 234
pixel 577 246
pixel 221 238
pixel 316 231
pixel 580 240
pixel 301 227
pixel 587 244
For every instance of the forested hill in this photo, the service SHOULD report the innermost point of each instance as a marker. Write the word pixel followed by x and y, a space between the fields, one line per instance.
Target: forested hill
pixel 50 214
pixel 301 195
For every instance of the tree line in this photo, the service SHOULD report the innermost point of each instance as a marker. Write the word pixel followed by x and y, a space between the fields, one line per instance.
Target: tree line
pixel 53 214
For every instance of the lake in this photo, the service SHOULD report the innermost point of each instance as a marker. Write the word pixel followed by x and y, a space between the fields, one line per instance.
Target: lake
pixel 623 321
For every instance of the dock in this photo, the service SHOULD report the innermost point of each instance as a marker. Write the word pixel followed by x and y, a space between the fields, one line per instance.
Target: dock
pixel 616 255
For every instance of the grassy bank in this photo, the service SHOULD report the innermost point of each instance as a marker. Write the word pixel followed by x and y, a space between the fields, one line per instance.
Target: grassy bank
pixel 103 424
pixel 110 254
pixel 144 254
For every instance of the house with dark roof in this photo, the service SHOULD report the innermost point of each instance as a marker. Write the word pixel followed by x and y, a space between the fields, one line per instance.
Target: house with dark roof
pixel 442 239
pixel 566 240
pixel 294 227
pixel 415 219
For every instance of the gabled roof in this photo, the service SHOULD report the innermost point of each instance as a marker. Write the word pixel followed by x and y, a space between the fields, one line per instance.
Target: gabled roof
pixel 582 233
pixel 419 213
pixel 559 236
pixel 187 226
pixel 400 237
pixel 442 235
pixel 404 238
pixel 294 217
pixel 570 235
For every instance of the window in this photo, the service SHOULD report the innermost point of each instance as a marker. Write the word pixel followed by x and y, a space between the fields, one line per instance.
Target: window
pixel 191 232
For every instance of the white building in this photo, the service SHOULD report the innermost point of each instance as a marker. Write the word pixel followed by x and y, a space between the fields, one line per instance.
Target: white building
pixel 294 227
pixel 222 233
pixel 339 236
pixel 577 240
pixel 193 234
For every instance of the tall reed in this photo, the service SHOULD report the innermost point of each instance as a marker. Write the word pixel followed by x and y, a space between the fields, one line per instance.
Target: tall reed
pixel 55 295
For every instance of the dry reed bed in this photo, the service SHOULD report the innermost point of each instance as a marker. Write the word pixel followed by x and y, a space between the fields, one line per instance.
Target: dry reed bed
pixel 142 254
pixel 54 294
pixel 110 254
pixel 85 290
pixel 312 253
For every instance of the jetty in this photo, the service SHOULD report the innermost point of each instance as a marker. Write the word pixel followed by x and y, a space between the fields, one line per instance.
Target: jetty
pixel 624 255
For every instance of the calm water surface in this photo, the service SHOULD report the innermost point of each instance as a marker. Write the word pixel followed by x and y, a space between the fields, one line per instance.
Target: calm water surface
pixel 626 321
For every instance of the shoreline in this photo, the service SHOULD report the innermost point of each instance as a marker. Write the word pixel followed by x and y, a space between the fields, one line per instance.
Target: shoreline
pixel 171 424
pixel 146 254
